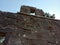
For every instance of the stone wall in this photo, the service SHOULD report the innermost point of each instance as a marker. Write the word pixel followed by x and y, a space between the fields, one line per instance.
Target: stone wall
pixel 30 10
pixel 23 29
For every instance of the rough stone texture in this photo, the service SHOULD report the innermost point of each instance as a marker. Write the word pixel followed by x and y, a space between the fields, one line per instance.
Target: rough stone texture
pixel 28 10
pixel 24 29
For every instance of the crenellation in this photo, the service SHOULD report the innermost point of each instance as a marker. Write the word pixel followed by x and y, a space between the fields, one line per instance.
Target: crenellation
pixel 31 10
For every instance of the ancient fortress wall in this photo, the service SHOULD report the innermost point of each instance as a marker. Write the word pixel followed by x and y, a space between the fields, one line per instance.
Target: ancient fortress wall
pixel 24 29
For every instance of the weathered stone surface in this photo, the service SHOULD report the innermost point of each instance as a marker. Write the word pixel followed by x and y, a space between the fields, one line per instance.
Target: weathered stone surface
pixel 24 29
pixel 31 11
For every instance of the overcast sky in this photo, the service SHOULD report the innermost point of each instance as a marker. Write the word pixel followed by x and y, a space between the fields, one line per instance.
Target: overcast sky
pixel 51 6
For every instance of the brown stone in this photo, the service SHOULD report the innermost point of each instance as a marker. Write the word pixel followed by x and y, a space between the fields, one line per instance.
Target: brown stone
pixel 25 29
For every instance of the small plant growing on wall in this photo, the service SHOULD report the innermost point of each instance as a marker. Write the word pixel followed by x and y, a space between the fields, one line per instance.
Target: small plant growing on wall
pixel 49 15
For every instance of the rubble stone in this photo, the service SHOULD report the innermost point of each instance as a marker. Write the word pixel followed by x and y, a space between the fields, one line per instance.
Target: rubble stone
pixel 24 29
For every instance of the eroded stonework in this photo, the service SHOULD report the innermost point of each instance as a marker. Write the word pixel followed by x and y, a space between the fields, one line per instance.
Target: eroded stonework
pixel 28 10
pixel 24 29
